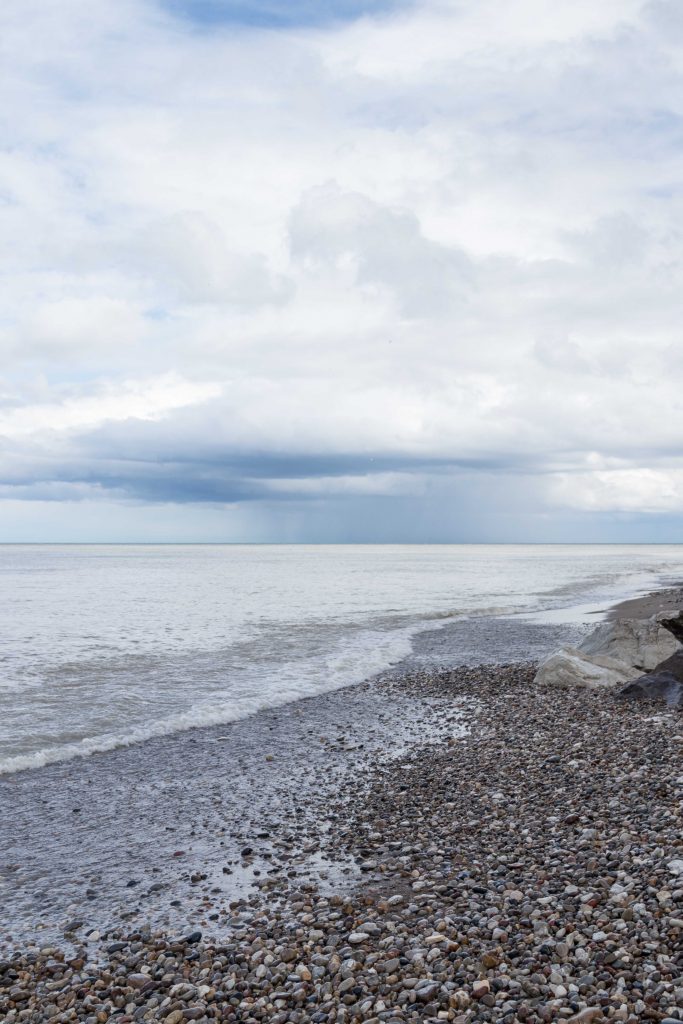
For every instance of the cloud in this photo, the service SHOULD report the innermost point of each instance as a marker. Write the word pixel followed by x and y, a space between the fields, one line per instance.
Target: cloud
pixel 407 255
pixel 622 490
pixel 140 401
pixel 379 246
pixel 188 258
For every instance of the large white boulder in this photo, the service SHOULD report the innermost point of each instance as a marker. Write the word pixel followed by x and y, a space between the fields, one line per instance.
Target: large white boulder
pixel 614 653
pixel 640 643
pixel 570 667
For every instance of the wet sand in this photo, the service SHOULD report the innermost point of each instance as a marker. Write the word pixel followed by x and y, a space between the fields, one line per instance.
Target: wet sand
pixel 669 599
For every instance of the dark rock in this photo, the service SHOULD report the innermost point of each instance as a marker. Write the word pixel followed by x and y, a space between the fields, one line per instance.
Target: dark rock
pixel 656 686
pixel 665 682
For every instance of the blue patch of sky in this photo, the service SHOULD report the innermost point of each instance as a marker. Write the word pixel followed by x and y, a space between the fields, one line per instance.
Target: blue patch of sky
pixel 277 13
pixel 158 313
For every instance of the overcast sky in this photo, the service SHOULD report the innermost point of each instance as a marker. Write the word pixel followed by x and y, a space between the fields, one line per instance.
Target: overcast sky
pixel 359 270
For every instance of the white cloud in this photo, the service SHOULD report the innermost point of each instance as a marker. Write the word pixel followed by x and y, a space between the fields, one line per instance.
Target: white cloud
pixel 453 233
pixel 622 490
pixel 137 400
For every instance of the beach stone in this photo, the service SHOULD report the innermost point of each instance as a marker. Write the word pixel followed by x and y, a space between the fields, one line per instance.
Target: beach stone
pixel 666 683
pixel 138 980
pixel 571 668
pixel 615 653
pixel 641 644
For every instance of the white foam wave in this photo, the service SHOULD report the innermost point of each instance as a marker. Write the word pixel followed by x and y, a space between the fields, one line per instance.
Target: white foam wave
pixel 337 669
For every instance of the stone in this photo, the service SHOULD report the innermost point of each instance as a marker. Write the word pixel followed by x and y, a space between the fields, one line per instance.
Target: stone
pixel 660 685
pixel 481 988
pixel 569 667
pixel 138 980
pixel 425 992
pixel 615 653
pixel 641 644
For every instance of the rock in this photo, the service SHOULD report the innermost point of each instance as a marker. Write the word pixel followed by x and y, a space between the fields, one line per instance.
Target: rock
pixel 615 653
pixel 569 667
pixel 639 643
pixel 481 988
pixel 665 680
pixel 675 867
pixel 138 980
pixel 426 991
pixel 585 1016
pixel 355 938
pixel 460 1000
pixel 664 684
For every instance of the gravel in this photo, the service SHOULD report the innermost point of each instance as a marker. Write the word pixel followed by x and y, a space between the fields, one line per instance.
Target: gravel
pixel 531 870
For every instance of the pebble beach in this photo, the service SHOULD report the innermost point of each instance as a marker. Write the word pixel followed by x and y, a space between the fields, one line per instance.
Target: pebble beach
pixel 528 867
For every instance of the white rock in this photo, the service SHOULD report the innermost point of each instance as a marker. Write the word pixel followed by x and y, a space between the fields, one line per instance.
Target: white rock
pixel 570 667
pixel 614 654
pixel 639 643
pixel 675 867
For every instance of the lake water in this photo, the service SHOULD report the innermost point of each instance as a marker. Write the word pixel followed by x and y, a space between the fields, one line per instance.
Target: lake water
pixel 102 646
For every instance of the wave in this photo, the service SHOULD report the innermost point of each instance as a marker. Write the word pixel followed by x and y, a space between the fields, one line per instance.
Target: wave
pixel 357 651
pixel 334 671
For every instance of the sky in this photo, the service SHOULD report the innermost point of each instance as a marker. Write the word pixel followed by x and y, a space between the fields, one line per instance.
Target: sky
pixel 287 270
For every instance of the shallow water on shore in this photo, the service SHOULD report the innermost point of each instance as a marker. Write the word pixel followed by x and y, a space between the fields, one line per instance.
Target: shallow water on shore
pixel 103 646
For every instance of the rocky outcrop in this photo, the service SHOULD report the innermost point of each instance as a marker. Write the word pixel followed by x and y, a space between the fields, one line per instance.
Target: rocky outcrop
pixel 666 681
pixel 615 653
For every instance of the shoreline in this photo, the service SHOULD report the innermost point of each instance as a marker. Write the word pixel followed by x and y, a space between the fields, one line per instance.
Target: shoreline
pixel 667 599
pixel 448 644
pixel 421 866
